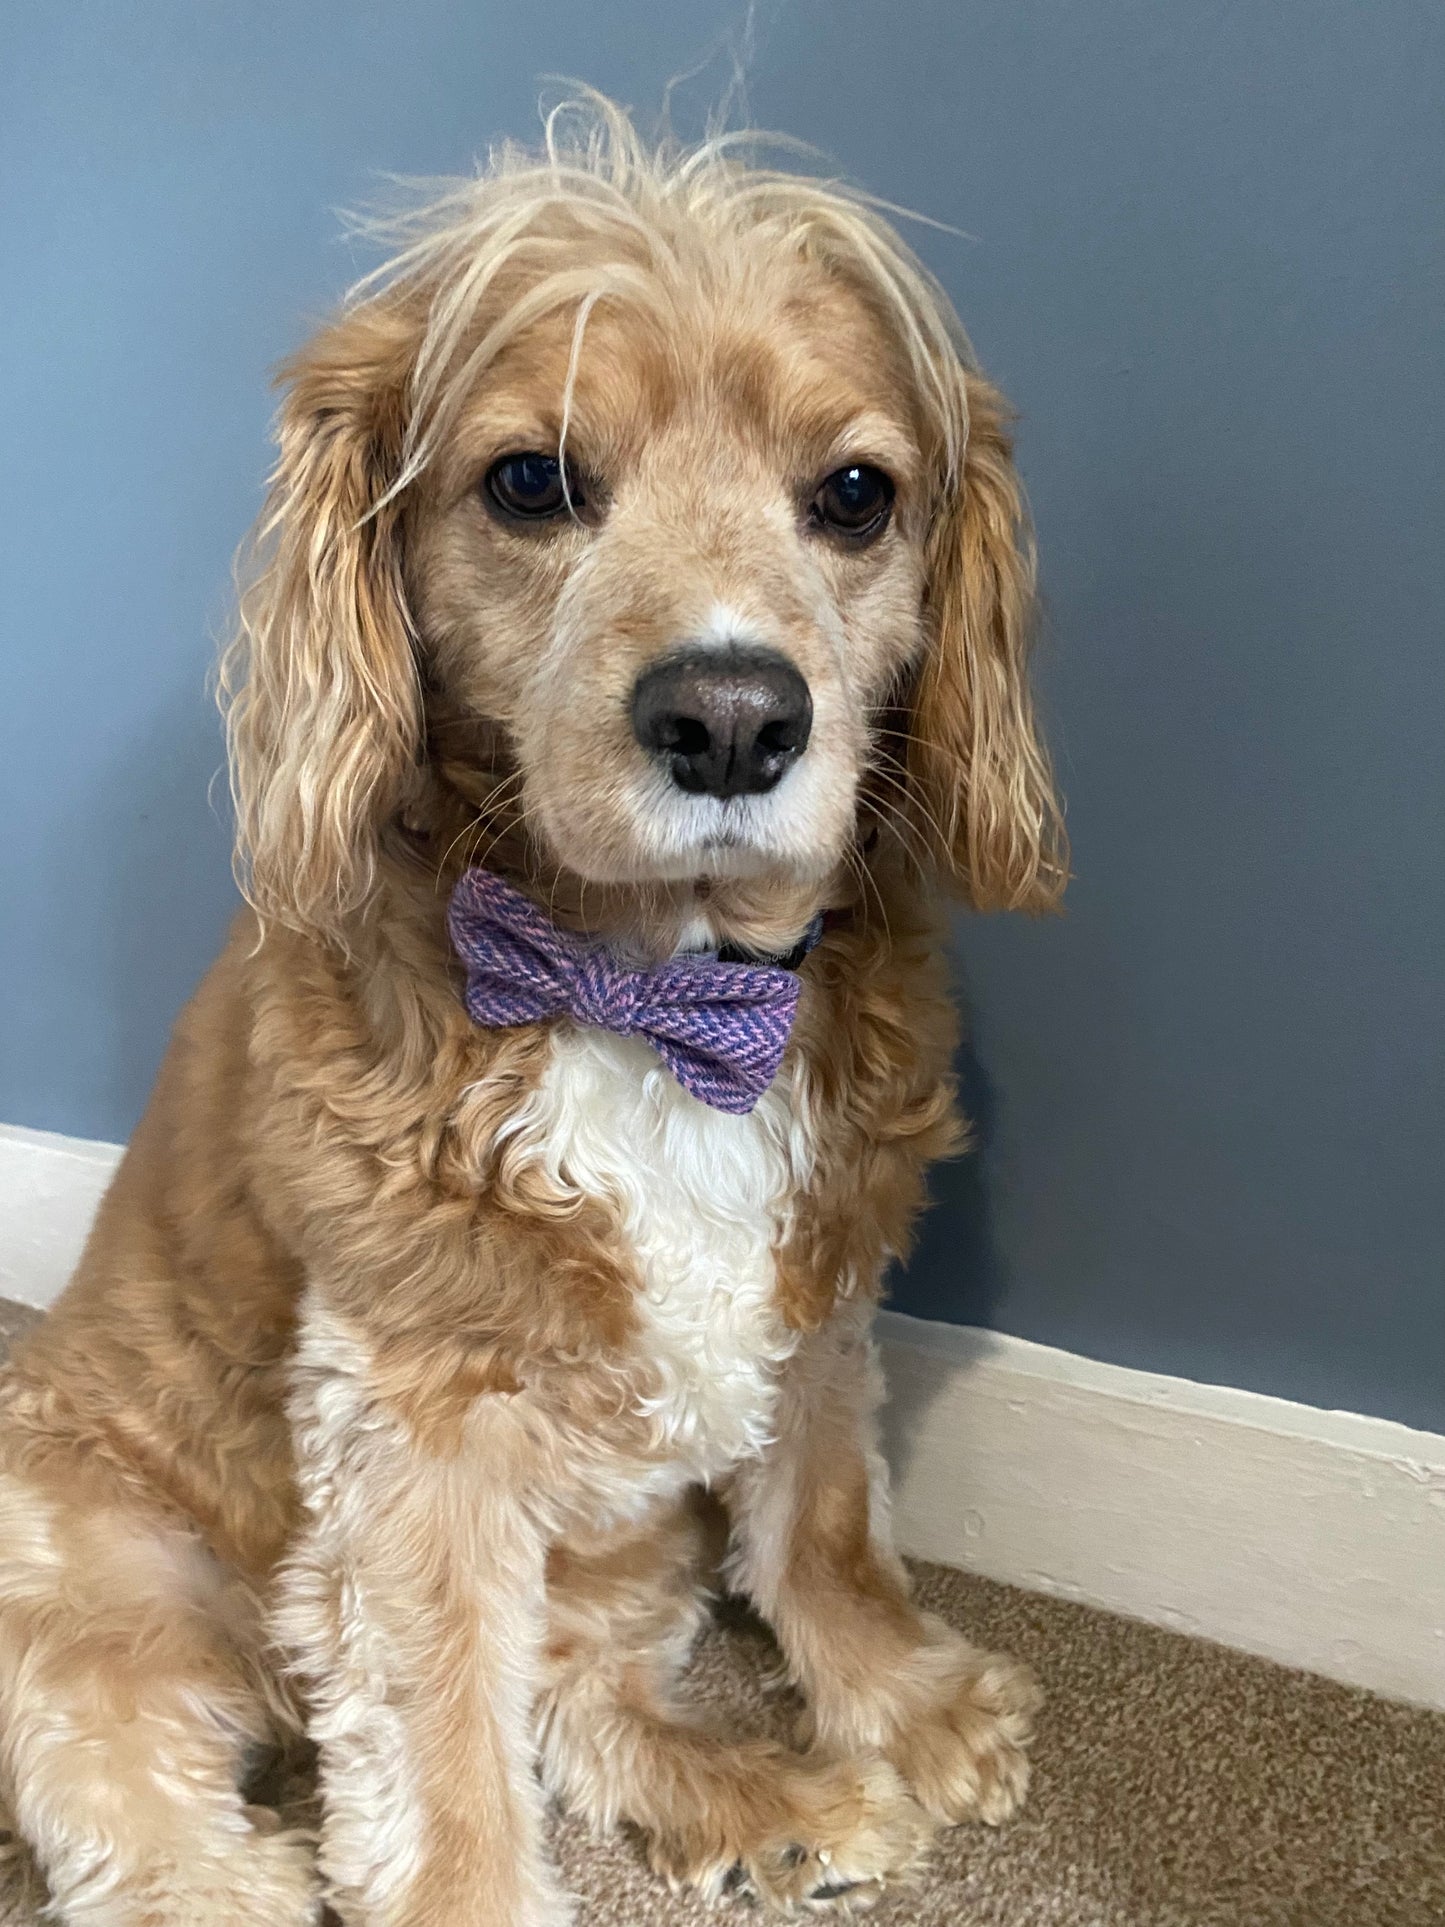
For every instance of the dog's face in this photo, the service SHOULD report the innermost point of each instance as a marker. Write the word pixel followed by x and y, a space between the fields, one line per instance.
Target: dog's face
pixel 669 520
pixel 687 618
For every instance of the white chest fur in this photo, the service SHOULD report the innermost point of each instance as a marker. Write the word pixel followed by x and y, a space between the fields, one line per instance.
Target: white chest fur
pixel 704 1198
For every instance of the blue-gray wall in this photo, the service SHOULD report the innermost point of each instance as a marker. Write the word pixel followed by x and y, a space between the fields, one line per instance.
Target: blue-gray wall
pixel 1207 267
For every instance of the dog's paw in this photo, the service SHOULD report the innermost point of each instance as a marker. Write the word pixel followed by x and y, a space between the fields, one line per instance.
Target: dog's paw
pixel 822 1836
pixel 964 1755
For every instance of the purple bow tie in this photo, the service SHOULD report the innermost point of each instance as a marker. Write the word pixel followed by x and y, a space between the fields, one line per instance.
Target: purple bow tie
pixel 720 1028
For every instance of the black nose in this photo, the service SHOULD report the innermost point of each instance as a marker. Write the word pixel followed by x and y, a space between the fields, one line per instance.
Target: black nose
pixel 727 722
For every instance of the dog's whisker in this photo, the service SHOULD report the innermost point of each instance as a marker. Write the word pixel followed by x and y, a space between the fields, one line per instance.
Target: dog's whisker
pixel 483 811
pixel 911 803
pixel 896 819
pixel 858 867
pixel 523 815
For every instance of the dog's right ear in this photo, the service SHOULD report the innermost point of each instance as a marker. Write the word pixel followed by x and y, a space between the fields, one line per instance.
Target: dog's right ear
pixel 320 686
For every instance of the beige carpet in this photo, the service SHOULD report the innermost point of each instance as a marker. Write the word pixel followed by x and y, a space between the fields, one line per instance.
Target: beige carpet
pixel 1176 1785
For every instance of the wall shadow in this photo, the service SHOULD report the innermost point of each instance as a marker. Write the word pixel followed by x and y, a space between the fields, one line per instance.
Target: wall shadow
pixel 957 1272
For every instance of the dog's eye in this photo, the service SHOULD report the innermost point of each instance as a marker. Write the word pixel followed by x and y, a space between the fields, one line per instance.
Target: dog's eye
pixel 854 501
pixel 530 485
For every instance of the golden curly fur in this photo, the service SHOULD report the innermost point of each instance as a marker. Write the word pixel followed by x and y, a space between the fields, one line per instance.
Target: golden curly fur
pixel 383 1404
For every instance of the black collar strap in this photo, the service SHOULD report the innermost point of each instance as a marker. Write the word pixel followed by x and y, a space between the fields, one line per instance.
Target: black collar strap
pixel 787 960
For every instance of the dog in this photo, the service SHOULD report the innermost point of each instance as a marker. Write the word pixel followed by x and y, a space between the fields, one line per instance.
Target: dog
pixel 643 594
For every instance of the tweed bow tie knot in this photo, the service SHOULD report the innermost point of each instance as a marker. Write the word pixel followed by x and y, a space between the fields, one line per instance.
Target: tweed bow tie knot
pixel 601 995
pixel 720 1028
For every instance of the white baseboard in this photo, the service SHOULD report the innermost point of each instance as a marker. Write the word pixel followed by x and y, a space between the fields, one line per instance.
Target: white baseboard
pixel 49 1188
pixel 1310 1537
pixel 1313 1538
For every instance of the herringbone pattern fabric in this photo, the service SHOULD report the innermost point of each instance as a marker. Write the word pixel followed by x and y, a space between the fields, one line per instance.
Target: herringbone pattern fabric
pixel 720 1028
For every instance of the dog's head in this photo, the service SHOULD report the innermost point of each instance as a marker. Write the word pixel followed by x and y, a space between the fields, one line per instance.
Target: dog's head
pixel 655 497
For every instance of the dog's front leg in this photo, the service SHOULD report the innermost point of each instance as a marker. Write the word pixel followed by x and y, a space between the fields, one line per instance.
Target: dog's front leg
pixel 813 1548
pixel 413 1606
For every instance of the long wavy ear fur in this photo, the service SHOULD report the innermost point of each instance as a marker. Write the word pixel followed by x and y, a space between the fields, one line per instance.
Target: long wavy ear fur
pixel 320 687
pixel 979 774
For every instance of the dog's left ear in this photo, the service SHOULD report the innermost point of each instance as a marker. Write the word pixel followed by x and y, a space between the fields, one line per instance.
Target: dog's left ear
pixel 979 775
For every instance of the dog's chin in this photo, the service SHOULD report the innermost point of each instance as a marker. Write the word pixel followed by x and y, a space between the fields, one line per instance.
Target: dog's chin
pixel 679 847
pixel 707 862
